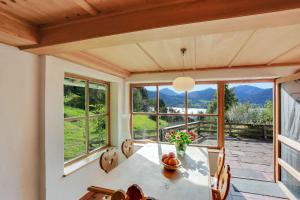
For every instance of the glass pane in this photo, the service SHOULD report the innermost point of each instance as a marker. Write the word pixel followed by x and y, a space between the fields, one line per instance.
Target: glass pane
pixel 144 127
pixel 74 97
pixel 291 183
pixel 291 156
pixel 74 139
pixel 290 110
pixel 144 99
pixel 98 98
pixel 98 128
pixel 170 123
pixel 171 101
pixel 203 99
pixel 206 128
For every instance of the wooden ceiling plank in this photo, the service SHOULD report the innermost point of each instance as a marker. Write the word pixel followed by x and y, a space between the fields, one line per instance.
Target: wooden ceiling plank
pixel 17 32
pixel 94 62
pixel 150 57
pixel 241 48
pixel 218 49
pixel 129 57
pixel 186 13
pixel 282 54
pixel 87 7
pixel 168 52
pixel 195 55
pixel 268 43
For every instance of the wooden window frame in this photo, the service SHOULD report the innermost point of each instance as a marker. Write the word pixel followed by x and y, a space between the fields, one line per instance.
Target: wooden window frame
pixel 219 114
pixel 221 109
pixel 87 116
pixel 285 140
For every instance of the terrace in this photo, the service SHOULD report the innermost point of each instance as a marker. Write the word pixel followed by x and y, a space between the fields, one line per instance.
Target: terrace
pixel 166 100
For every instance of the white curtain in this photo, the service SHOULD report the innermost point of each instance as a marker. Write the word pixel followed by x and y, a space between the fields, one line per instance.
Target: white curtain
pixel 290 110
pixel 290 127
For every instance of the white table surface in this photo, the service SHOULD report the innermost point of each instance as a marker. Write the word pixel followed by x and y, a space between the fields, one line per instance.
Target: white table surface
pixel 144 168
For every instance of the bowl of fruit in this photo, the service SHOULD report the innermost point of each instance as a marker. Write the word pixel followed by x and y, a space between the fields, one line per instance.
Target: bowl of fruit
pixel 170 161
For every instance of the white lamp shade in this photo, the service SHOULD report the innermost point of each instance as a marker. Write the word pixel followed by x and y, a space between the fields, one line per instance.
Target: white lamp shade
pixel 184 83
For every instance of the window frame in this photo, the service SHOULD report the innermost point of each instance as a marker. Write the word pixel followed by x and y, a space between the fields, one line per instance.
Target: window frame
pixel 89 116
pixel 219 114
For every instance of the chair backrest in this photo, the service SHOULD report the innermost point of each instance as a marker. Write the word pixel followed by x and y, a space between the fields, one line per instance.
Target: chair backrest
pixel 220 163
pixel 127 148
pixel 108 160
pixel 134 192
pixel 118 195
pixel 224 183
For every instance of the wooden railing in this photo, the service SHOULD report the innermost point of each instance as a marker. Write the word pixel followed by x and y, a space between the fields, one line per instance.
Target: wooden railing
pixel 206 129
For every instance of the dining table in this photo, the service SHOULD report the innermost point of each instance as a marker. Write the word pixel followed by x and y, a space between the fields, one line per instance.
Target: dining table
pixel 191 181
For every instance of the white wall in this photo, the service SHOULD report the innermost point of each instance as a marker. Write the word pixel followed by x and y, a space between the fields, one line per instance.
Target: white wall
pixel 74 185
pixel 19 124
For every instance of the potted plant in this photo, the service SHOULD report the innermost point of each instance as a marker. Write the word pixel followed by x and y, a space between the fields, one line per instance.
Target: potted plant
pixel 181 139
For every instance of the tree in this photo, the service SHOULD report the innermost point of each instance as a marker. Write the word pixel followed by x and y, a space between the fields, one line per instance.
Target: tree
pixel 267 113
pixel 230 100
pixel 140 99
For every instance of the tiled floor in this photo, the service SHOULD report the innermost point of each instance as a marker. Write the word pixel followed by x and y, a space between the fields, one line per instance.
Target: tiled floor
pixel 247 196
pixel 250 159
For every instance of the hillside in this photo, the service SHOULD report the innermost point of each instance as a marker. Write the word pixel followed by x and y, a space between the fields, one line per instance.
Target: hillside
pixel 200 99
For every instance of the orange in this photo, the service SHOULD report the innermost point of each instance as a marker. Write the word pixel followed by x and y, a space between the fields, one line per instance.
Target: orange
pixel 166 160
pixel 172 161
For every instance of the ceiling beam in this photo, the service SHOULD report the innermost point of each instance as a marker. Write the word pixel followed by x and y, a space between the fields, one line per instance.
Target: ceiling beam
pixel 112 29
pixel 223 67
pixel 16 32
pixel 87 7
pixel 94 62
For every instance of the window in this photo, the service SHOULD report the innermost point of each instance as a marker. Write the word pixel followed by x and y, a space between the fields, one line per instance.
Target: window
pixel 157 109
pixel 86 116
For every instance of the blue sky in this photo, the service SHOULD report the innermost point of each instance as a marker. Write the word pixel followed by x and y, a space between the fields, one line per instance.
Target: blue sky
pixel 214 86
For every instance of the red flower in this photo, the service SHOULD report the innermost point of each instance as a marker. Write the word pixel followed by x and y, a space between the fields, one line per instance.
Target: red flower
pixel 193 135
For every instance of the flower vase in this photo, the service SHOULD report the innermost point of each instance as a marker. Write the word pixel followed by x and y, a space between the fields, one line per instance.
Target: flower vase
pixel 180 148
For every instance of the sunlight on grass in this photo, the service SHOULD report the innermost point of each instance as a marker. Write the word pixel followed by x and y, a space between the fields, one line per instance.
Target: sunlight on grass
pixel 74 139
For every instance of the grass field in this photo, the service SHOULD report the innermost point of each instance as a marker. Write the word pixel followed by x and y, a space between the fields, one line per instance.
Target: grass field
pixel 75 136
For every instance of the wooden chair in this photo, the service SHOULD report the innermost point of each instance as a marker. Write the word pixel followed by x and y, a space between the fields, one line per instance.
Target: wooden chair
pixel 98 193
pixel 221 192
pixel 127 148
pixel 108 160
pixel 134 192
pixel 220 163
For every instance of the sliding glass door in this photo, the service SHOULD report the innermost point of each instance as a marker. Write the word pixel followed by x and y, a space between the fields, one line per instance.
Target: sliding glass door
pixel 288 138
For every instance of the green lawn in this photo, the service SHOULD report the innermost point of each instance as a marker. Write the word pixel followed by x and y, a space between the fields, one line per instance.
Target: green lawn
pixel 74 134
pixel 144 127
pixel 73 112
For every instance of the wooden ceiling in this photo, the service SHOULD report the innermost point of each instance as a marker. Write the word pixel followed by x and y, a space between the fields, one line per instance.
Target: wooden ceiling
pixel 138 36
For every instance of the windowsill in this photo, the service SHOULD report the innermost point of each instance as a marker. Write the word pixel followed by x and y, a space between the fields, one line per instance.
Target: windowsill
pixel 71 168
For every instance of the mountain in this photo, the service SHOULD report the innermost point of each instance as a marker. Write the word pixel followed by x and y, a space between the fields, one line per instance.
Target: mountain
pixel 199 99
pixel 207 94
pixel 253 95
pixel 167 91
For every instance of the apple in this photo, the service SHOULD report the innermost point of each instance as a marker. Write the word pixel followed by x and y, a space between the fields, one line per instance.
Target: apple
pixel 164 156
pixel 172 155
